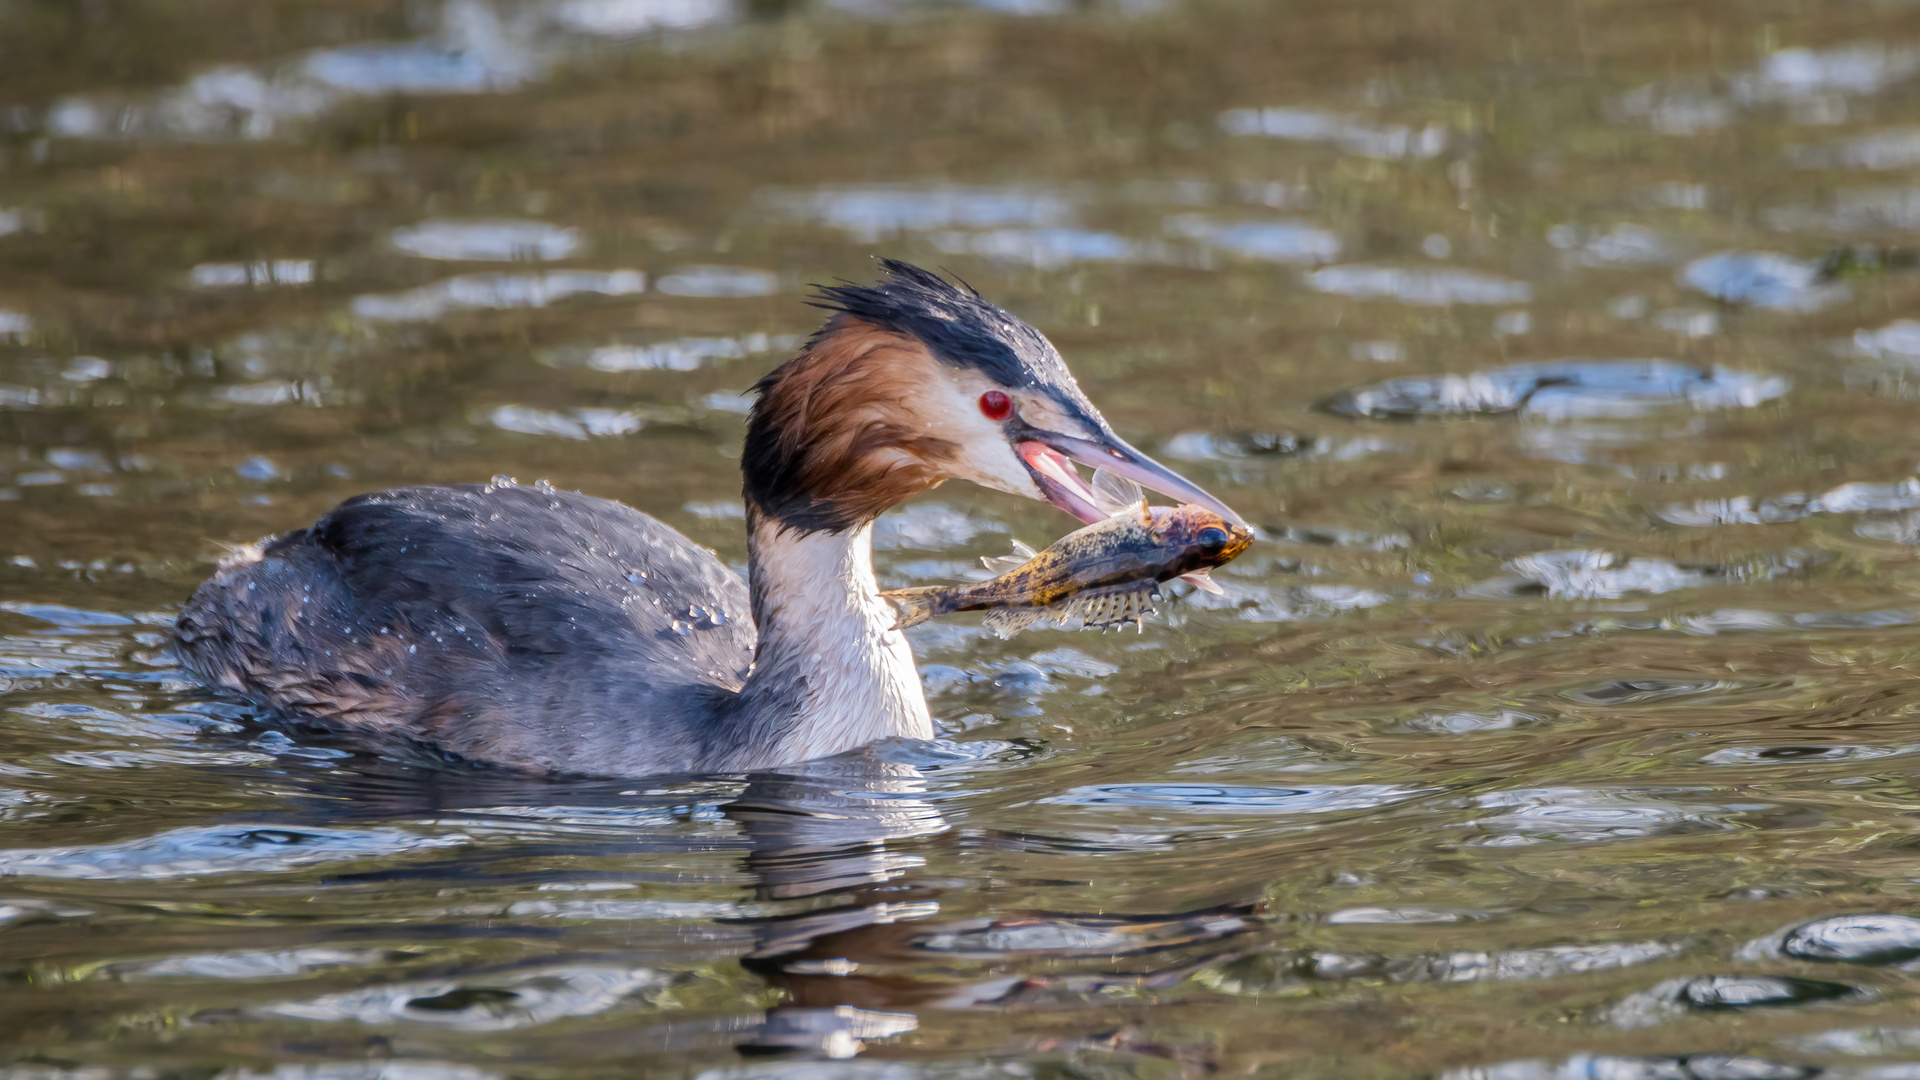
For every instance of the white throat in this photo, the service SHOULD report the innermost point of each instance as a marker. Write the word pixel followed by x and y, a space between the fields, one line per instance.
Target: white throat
pixel 829 672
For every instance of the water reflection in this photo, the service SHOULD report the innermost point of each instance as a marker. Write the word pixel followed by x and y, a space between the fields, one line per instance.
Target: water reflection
pixel 1275 241
pixel 1594 575
pixel 1675 998
pixel 716 281
pixel 487 241
pixel 1860 1042
pixel 472 52
pixel 680 354
pixel 1351 135
pixel 1898 341
pixel 870 213
pixel 1813 85
pixel 1854 498
pixel 1576 816
pixel 861 968
pixel 1203 798
pixel 1862 210
pixel 581 423
pixel 1617 1067
pixel 1872 938
pixel 1051 248
pixel 1420 285
pixel 232 275
pixel 1624 245
pixel 1563 389
pixel 1897 149
pixel 630 18
pixel 192 852
pixel 1762 280
pixel 481 1002
pixel 842 919
pixel 483 291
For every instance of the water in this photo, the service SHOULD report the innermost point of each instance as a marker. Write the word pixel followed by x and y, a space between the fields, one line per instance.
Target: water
pixel 1562 725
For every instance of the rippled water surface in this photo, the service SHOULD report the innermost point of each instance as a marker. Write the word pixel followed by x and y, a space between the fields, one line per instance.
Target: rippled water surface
pixel 1562 725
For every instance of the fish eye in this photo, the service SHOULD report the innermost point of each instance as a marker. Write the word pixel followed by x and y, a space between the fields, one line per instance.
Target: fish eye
pixel 1212 539
pixel 995 405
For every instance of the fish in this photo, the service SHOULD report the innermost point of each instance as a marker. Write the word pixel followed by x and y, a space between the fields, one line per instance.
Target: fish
pixel 1106 574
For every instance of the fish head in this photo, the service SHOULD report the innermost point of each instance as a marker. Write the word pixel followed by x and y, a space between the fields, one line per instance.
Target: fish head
pixel 1203 538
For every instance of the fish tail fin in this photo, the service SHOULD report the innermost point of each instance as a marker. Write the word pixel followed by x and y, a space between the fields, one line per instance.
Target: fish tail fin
pixel 914 606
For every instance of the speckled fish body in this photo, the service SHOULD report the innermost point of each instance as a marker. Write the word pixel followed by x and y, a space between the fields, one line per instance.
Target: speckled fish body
pixel 1106 574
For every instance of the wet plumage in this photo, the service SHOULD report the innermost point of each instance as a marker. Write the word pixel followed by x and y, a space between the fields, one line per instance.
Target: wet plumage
pixel 423 612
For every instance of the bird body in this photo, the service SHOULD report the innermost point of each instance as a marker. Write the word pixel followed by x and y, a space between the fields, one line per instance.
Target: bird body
pixel 559 633
pixel 415 611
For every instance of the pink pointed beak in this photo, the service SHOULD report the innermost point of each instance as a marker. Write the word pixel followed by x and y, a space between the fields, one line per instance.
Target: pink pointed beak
pixel 1051 456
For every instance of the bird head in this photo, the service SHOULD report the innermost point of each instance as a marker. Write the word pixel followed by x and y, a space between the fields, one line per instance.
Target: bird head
pixel 914 380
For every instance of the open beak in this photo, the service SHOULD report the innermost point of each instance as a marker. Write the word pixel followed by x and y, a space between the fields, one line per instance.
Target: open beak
pixel 1050 457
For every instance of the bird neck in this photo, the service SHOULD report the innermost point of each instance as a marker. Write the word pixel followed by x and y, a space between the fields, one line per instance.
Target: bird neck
pixel 829 672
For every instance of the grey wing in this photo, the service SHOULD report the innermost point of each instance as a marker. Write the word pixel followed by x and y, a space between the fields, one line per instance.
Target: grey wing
pixel 539 628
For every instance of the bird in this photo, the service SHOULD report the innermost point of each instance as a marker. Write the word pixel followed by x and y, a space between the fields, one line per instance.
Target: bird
pixel 551 632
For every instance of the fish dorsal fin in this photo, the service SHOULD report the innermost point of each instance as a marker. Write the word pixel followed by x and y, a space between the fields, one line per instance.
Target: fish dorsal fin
pixel 1000 564
pixel 1112 494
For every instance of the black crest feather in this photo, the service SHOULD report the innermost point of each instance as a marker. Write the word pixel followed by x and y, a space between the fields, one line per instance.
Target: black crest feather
pixel 957 324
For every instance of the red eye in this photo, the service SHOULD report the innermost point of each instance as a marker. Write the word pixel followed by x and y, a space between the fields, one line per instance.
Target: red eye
pixel 995 405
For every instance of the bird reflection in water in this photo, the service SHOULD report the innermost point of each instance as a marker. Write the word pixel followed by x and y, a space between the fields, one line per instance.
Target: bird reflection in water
pixel 845 829
pixel 864 945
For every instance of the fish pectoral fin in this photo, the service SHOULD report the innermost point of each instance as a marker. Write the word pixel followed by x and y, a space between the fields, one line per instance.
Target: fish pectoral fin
pixel 1112 494
pixel 1203 581
pixel 1000 564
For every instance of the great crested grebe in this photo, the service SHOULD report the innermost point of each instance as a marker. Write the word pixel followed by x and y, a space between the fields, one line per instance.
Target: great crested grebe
pixel 555 632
